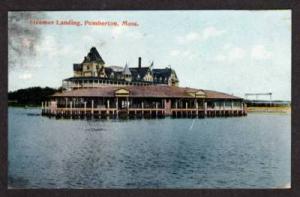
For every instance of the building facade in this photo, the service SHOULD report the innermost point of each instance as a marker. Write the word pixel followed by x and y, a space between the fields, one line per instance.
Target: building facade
pixel 101 91
pixel 143 101
pixel 93 72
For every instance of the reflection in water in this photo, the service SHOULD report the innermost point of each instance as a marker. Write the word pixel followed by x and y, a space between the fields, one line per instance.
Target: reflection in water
pixel 244 152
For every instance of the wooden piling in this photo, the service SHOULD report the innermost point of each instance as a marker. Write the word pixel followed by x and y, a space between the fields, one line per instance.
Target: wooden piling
pixel 92 110
pixel 205 109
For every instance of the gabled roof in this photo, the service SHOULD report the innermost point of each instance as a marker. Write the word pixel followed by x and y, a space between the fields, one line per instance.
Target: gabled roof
pixel 141 72
pixel 126 70
pixel 116 68
pixel 93 56
pixel 162 72
pixel 108 71
pixel 122 92
pixel 154 91
pixel 77 67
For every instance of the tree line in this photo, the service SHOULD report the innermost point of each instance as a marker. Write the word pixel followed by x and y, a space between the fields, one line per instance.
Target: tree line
pixel 32 96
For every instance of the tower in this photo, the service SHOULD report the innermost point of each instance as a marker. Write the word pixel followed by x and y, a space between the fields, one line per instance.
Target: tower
pixel 126 73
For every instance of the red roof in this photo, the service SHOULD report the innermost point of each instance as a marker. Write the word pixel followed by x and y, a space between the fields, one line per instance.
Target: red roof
pixel 154 91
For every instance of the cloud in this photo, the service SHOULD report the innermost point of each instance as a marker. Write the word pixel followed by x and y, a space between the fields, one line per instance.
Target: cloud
pixel 22 38
pixel 120 32
pixel 117 32
pixel 221 57
pixel 192 36
pixel 186 54
pixel 212 32
pixel 50 47
pixel 236 53
pixel 88 38
pixel 231 53
pixel 25 76
pixel 135 35
pixel 205 34
pixel 259 52
pixel 174 52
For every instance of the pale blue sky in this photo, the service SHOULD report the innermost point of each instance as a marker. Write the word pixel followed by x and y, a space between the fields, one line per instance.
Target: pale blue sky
pixel 236 52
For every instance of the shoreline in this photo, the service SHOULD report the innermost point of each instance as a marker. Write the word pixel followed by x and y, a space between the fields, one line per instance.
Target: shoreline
pixel 281 109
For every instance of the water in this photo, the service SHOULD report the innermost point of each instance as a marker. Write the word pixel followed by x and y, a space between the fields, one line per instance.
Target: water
pixel 240 152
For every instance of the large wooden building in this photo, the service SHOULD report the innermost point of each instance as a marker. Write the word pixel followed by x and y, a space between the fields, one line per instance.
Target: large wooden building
pixel 100 92
pixel 93 72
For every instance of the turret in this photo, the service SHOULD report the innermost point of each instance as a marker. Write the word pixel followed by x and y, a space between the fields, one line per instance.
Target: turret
pixel 126 73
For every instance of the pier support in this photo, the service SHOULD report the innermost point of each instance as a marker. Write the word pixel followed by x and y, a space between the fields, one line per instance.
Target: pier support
pixel 156 107
pixel 71 108
pixel 197 107
pixel 127 106
pixel 117 107
pixel 42 107
pixel 107 109
pixel 205 109
pixel 92 110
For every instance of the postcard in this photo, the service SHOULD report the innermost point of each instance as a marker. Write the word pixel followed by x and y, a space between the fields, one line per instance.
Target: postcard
pixel 149 99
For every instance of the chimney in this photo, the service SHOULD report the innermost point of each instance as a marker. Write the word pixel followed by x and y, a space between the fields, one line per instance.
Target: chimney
pixel 140 62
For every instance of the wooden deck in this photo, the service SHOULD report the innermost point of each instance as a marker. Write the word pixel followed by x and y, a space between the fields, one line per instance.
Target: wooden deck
pixel 141 112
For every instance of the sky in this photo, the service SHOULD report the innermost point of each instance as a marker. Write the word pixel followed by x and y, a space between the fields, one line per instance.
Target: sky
pixel 236 52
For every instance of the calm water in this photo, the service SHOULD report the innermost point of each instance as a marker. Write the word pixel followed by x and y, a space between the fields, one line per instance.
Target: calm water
pixel 244 152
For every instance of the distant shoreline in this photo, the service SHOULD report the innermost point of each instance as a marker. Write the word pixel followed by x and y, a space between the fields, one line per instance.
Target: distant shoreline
pixel 279 109
pixel 23 105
